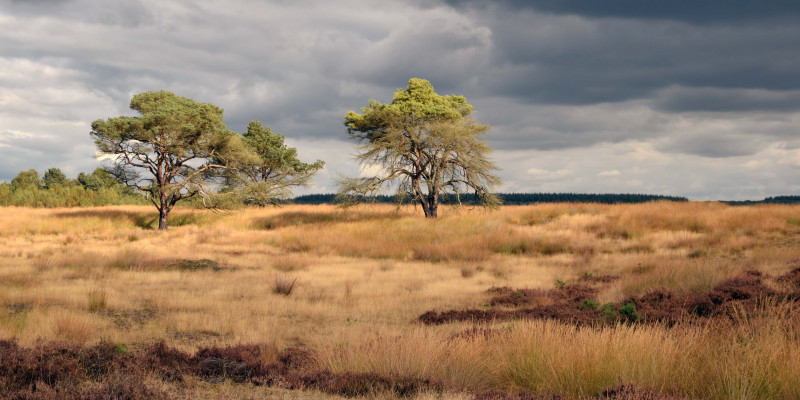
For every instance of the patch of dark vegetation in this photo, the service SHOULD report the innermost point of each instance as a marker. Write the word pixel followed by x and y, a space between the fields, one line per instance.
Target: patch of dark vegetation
pixel 129 318
pixel 515 198
pixel 62 371
pixel 621 392
pixel 577 304
pixel 600 279
pixel 19 308
pixel 476 332
pixel 791 278
pixel 196 265
pixel 108 371
pixel 634 392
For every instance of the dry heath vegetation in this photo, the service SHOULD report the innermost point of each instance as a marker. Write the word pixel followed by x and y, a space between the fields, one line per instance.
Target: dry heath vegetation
pixel 345 290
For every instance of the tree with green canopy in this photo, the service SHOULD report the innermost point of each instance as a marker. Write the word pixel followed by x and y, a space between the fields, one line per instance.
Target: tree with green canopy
pixel 425 144
pixel 54 177
pixel 269 177
pixel 165 151
pixel 26 180
pixel 98 179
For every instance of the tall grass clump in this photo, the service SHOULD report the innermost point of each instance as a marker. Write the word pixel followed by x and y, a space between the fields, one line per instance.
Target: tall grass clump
pixel 96 300
pixel 283 285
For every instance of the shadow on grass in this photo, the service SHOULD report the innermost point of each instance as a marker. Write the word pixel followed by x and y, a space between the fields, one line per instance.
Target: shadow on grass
pixel 141 219
pixel 304 218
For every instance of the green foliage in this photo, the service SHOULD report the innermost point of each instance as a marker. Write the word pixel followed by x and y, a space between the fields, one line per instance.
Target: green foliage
pixel 268 174
pixel 57 192
pixel 560 284
pixel 26 180
pixel 97 180
pixel 166 151
pixel 628 312
pixel 590 304
pixel 54 177
pixel 121 348
pixel 423 143
pixel 608 311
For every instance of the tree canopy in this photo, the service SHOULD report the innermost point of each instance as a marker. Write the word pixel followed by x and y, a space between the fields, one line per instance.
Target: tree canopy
pixel 165 151
pixel 99 178
pixel 26 179
pixel 268 177
pixel 425 144
pixel 54 177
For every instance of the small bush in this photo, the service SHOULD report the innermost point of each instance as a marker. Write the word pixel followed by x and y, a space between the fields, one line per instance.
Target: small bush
pixel 121 348
pixel 628 311
pixel 283 285
pixel 608 310
pixel 697 253
pixel 590 304
pixel 467 271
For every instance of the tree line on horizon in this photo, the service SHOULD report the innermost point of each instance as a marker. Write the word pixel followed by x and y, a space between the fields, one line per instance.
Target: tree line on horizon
pixel 53 189
pixel 98 188
pixel 507 198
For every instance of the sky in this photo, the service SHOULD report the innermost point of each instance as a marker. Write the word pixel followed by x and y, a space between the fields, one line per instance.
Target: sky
pixel 690 98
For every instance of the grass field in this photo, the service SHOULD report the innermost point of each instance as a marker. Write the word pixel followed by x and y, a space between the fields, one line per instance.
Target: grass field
pixel 349 286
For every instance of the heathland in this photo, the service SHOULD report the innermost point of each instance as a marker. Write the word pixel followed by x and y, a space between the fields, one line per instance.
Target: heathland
pixel 656 300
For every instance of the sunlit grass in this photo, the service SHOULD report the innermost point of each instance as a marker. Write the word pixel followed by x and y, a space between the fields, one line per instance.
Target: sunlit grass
pixel 362 276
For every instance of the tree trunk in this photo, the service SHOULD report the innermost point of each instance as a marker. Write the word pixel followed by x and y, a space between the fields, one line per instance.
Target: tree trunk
pixel 433 207
pixel 429 203
pixel 163 212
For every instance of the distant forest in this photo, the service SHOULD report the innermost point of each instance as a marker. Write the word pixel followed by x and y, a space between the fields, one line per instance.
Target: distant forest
pixel 768 200
pixel 98 188
pixel 514 198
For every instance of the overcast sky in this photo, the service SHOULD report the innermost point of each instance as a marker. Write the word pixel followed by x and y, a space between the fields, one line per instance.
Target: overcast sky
pixel 693 98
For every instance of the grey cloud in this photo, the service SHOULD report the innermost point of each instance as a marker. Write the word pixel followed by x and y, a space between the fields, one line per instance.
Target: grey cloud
pixel 695 11
pixel 125 13
pixel 699 99
pixel 572 60
pixel 714 145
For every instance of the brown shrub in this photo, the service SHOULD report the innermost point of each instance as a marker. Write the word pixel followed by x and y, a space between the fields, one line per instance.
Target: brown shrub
pixel 634 392
pixel 573 303
pixel 168 363
pixel 67 372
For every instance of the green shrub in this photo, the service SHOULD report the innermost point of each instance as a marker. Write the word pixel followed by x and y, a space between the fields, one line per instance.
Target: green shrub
pixel 590 304
pixel 628 311
pixel 608 311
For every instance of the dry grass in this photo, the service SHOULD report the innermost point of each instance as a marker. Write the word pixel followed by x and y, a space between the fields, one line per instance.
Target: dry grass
pixel 85 274
pixel 283 285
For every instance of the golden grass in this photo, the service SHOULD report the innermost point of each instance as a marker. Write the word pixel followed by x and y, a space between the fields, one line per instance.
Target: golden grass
pixel 363 275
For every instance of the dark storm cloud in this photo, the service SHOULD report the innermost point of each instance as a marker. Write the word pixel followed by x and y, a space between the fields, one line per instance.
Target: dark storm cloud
pixel 687 99
pixel 696 11
pixel 571 60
